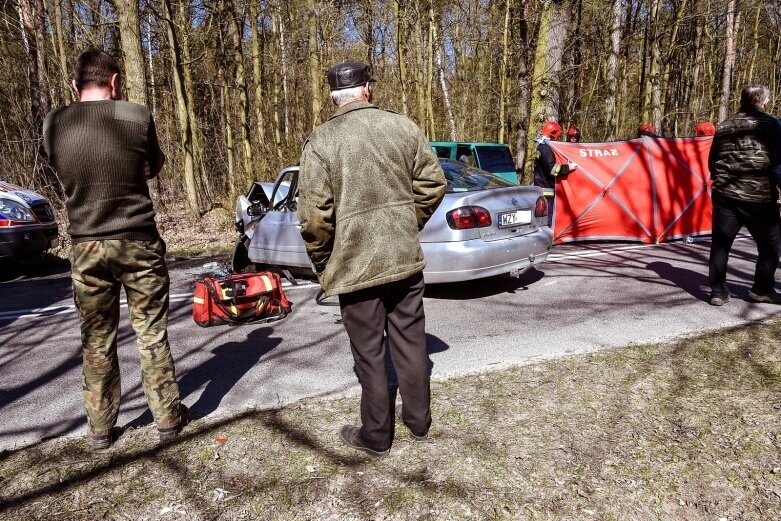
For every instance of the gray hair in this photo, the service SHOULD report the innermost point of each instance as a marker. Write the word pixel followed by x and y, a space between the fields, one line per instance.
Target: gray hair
pixel 754 96
pixel 343 96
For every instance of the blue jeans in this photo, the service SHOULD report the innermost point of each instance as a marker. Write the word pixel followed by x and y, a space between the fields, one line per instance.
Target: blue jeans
pixel 763 223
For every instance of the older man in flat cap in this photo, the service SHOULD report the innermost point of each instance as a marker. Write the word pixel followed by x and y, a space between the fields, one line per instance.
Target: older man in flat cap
pixel 369 181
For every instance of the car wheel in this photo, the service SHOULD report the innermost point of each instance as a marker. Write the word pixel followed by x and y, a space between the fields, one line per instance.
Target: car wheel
pixel 240 260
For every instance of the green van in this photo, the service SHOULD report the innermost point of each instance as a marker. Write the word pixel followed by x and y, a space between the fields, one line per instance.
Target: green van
pixel 492 157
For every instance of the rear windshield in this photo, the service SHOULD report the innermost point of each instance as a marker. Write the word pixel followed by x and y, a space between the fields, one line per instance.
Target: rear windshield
pixel 464 178
pixel 495 159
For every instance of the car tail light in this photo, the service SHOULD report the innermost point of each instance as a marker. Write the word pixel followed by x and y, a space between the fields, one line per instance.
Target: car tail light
pixel 468 217
pixel 541 207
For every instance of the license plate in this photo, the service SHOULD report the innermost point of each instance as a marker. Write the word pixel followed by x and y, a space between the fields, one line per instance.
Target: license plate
pixel 515 218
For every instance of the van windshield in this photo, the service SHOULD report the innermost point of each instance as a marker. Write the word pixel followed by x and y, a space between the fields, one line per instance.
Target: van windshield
pixel 464 178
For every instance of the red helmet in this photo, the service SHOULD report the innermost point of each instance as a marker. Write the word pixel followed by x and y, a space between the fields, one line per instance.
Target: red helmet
pixel 706 128
pixel 646 129
pixel 551 130
pixel 573 131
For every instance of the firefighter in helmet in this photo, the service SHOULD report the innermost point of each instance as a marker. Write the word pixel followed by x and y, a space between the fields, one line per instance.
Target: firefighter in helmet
pixel 646 129
pixel 573 134
pixel 705 128
pixel 545 167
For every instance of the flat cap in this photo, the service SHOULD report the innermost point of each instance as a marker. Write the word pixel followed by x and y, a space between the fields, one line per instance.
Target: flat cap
pixel 349 74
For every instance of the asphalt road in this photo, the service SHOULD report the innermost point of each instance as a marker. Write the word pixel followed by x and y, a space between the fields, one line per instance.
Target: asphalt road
pixel 586 297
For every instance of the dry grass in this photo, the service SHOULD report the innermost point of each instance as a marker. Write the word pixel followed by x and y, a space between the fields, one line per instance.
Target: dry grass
pixel 688 430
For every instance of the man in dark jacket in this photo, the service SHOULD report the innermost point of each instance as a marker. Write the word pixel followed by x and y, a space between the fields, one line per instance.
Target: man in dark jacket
pixel 104 150
pixel 369 181
pixel 745 165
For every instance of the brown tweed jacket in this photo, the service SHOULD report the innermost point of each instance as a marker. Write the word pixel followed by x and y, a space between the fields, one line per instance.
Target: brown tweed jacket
pixel 368 183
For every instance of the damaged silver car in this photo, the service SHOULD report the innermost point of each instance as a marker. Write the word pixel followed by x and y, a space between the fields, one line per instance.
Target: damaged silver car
pixel 485 226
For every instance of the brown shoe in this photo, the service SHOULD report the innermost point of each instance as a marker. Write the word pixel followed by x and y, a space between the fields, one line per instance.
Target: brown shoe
pixel 104 441
pixel 351 435
pixel 415 437
pixel 170 433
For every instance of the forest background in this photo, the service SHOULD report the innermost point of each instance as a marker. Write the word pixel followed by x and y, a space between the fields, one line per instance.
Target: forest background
pixel 236 85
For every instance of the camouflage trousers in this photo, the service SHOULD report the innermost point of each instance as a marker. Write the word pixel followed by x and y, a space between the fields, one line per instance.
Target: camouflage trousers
pixel 99 270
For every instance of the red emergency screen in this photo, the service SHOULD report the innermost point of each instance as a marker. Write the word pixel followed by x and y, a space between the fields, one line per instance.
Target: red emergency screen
pixel 648 189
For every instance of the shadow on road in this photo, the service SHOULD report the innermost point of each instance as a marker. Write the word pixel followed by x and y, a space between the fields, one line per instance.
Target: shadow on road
pixel 690 281
pixel 220 373
pixel 482 288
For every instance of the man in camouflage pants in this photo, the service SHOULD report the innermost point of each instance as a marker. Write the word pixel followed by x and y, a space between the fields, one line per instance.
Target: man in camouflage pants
pixel 745 165
pixel 104 150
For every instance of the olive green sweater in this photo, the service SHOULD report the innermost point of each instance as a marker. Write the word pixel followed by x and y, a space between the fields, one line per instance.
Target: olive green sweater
pixel 99 150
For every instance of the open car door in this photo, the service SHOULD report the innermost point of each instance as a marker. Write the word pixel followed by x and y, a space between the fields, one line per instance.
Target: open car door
pixel 277 238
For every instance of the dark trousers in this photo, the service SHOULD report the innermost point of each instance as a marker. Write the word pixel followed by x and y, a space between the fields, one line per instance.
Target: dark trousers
pixel 762 222
pixel 395 308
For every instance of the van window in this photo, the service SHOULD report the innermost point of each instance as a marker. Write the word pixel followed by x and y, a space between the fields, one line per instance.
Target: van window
pixel 495 159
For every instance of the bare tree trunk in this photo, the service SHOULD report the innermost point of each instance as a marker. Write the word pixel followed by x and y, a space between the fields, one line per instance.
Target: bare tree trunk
pixel 523 93
pixel 227 100
pixel 185 130
pixel 277 92
pixel 419 68
pixel 755 46
pixel 130 35
pixel 430 76
pixel 152 86
pixel 652 84
pixel 257 83
pixel 62 56
pixel 612 70
pixel 547 64
pixel 729 60
pixel 401 57
pixel 241 85
pixel 315 76
pixel 33 21
pixel 696 95
pixel 665 78
pixel 205 190
pixel 443 83
pixel 503 72
pixel 285 72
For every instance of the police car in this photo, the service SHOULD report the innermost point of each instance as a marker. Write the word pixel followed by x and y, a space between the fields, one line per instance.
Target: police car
pixel 27 223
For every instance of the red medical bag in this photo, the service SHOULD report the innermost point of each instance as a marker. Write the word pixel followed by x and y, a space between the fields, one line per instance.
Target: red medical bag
pixel 239 299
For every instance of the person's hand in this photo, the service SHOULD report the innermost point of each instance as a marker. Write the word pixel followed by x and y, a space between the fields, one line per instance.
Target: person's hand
pixel 572 166
pixel 147 170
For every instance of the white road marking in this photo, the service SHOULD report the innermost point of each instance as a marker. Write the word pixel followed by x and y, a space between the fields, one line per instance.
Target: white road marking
pixel 556 257
pixel 70 308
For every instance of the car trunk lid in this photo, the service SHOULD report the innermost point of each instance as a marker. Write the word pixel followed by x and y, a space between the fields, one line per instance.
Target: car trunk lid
pixel 511 209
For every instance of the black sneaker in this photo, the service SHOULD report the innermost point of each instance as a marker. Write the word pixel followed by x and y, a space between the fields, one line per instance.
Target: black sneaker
pixel 170 433
pixel 352 436
pixel 412 435
pixel 718 301
pixel 769 298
